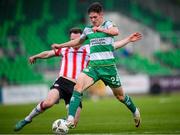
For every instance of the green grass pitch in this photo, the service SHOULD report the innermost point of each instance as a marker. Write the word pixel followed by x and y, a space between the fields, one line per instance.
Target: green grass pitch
pixel 160 115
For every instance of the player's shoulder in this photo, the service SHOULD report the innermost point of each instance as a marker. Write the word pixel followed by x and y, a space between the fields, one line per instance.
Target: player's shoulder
pixel 106 22
pixel 87 30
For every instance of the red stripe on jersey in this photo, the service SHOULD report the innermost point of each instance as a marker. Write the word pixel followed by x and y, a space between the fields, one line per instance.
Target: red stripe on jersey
pixel 58 52
pixel 74 63
pixel 83 59
pixel 66 62
pixel 87 63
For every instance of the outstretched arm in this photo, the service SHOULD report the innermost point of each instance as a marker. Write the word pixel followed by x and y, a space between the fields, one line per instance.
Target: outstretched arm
pixel 132 38
pixel 42 55
pixel 71 43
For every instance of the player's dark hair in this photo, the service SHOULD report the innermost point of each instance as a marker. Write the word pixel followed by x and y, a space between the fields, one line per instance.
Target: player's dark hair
pixel 95 7
pixel 75 30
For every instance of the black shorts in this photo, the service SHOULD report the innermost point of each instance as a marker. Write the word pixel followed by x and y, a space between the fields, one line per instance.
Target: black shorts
pixel 65 88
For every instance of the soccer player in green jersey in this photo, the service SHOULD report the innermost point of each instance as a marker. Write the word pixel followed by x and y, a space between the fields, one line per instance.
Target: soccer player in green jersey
pixel 101 65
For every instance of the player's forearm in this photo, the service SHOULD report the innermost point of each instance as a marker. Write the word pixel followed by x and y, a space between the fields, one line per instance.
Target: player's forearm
pixel 71 43
pixel 121 43
pixel 43 55
pixel 112 31
pixel 132 38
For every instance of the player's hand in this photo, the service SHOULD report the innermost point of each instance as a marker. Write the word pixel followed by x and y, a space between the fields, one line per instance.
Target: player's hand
pixel 96 29
pixel 55 51
pixel 135 37
pixel 55 46
pixel 32 60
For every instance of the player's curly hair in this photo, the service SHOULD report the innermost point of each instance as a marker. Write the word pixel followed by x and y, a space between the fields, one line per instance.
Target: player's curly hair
pixel 95 7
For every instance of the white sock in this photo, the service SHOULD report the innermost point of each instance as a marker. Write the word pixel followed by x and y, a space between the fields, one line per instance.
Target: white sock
pixel 36 111
pixel 70 118
pixel 136 112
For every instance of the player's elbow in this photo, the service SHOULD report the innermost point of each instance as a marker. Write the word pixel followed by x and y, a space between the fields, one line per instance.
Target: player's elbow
pixel 116 32
pixel 115 46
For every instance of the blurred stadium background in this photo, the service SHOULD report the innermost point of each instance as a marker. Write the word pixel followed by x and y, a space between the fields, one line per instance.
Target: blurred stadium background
pixel 151 65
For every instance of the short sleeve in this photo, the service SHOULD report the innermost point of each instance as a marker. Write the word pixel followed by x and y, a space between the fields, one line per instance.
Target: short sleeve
pixel 84 34
pixel 109 24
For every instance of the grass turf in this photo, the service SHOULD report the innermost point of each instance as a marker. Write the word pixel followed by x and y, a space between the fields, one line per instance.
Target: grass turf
pixel 160 115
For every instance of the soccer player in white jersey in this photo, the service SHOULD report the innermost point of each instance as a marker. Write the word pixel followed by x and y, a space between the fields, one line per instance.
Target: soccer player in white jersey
pixel 102 63
pixel 74 60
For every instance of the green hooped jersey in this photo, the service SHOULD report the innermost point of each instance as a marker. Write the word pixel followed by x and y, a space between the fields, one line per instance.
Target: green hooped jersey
pixel 101 45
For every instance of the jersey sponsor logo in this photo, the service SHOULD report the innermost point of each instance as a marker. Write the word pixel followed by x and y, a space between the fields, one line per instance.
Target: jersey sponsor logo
pixel 98 41
pixel 101 41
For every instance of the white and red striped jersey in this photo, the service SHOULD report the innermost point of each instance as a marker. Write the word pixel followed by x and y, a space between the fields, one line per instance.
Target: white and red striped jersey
pixel 74 60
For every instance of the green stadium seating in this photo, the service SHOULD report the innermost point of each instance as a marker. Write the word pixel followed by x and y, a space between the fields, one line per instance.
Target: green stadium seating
pixel 170 58
pixel 29 25
pixel 139 64
pixel 37 27
pixel 154 19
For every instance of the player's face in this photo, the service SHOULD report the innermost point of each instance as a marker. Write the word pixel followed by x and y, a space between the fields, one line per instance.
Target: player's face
pixel 96 18
pixel 74 35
